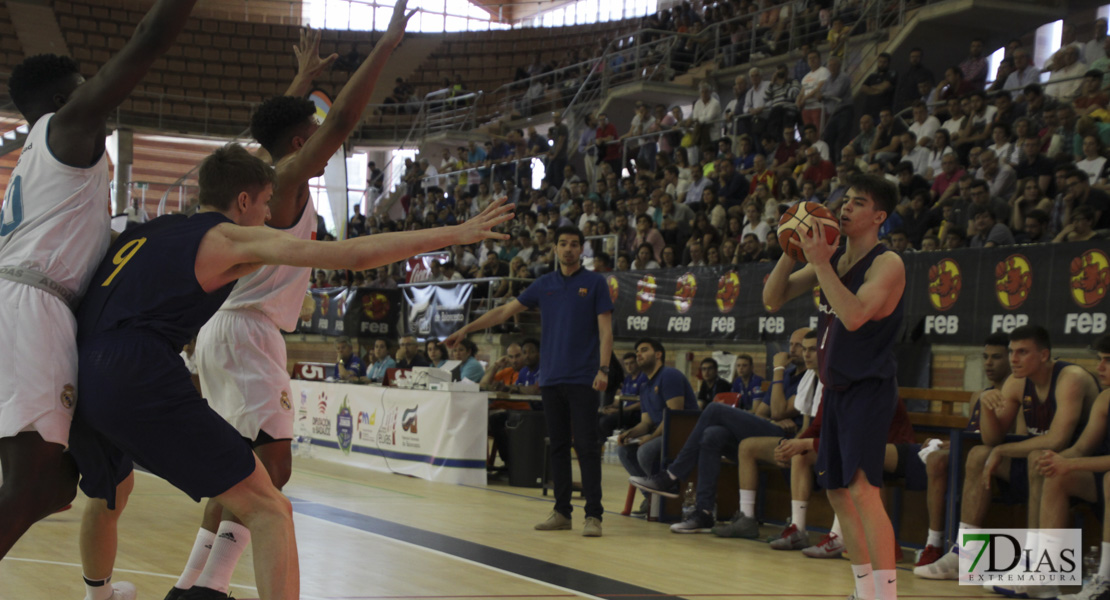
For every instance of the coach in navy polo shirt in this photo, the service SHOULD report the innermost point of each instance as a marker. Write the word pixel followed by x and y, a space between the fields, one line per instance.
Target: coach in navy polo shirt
pixel 576 316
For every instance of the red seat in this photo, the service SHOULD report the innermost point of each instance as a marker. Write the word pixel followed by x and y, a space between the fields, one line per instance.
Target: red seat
pixel 729 398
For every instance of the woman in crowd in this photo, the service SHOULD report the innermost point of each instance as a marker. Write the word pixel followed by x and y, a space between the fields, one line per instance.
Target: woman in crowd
pixel 644 258
pixel 942 146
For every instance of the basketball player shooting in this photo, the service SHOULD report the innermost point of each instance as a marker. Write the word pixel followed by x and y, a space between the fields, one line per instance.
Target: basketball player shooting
pixel 55 229
pixel 861 316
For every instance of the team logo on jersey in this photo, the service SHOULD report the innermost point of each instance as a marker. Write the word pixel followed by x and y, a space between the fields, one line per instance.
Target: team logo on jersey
pixel 945 283
pixel 728 289
pixel 1013 281
pixel 645 293
pixel 614 287
pixel 1090 277
pixel 684 291
pixel 375 305
pixel 285 403
pixel 344 426
pixel 69 396
pixel 817 296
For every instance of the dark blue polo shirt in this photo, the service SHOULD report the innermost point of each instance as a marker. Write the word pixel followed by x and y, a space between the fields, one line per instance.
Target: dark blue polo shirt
pixel 570 346
pixel 667 383
pixel 527 376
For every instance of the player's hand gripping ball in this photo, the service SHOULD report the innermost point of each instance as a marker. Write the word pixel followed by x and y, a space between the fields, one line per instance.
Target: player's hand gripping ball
pixel 799 220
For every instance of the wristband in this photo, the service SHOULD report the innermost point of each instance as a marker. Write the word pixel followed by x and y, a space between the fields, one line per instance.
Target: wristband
pixel 780 368
pixel 776 381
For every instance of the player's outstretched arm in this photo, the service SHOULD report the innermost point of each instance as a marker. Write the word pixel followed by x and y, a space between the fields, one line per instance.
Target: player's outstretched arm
pixel 309 63
pixel 77 130
pixel 489 319
pixel 229 252
pixel 344 115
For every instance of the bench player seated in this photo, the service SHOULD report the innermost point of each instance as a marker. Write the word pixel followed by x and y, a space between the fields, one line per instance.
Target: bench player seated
pixel 1051 399
pixel 719 431
pixel 996 367
pixel 762 448
pixel 800 454
pixel 1080 472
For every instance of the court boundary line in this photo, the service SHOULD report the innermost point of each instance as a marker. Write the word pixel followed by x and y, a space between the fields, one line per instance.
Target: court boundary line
pixel 403 533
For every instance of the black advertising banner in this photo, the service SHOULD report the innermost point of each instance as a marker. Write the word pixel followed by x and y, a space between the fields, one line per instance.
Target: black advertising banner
pixel 327 318
pixel 438 310
pixel 354 312
pixel 1078 284
pixel 374 312
pixel 957 297
pixel 702 303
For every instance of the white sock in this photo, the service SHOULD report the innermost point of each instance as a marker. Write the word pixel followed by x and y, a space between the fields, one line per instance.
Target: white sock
pixel 798 514
pixel 836 528
pixel 1104 561
pixel 886 584
pixel 865 582
pixel 936 538
pixel 98 589
pixel 201 548
pixel 231 540
pixel 1032 547
pixel 968 526
pixel 747 503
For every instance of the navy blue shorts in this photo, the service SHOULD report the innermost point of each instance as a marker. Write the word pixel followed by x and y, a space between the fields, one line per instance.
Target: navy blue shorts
pixel 911 467
pixel 854 429
pixel 1016 490
pixel 137 403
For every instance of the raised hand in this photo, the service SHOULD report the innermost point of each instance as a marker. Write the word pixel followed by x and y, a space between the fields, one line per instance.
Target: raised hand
pixel 481 226
pixel 398 22
pixel 309 63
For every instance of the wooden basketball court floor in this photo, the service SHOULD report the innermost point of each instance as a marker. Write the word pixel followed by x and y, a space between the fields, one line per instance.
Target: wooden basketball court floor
pixel 364 535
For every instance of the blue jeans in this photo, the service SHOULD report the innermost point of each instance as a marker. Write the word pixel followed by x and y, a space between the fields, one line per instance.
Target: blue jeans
pixel 642 460
pixel 719 431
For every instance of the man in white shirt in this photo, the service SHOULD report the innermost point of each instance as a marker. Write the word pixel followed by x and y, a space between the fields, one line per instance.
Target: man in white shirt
pixel 808 100
pixel 915 153
pixel 1065 81
pixel 1024 74
pixel 706 113
pixel 755 99
pixel 924 125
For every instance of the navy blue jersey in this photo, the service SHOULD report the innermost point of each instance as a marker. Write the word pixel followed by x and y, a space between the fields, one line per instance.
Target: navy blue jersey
pixel 1040 412
pixel 148 282
pixel 846 357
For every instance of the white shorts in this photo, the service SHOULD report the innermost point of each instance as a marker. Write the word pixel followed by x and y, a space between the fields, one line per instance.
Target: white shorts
pixel 38 363
pixel 240 358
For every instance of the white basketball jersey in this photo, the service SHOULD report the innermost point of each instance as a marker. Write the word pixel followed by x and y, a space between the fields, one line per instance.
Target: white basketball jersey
pixel 278 290
pixel 55 218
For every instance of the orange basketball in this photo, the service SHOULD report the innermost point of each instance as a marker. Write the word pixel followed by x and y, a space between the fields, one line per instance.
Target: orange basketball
pixel 799 220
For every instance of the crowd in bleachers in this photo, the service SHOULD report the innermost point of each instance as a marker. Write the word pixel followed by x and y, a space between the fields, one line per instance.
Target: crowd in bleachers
pixel 1025 163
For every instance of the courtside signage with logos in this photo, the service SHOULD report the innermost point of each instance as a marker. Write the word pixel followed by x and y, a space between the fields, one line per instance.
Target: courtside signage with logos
pixel 1004 557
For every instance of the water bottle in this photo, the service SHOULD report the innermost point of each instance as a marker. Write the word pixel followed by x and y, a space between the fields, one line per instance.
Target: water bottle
pixel 689 502
pixel 1090 564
